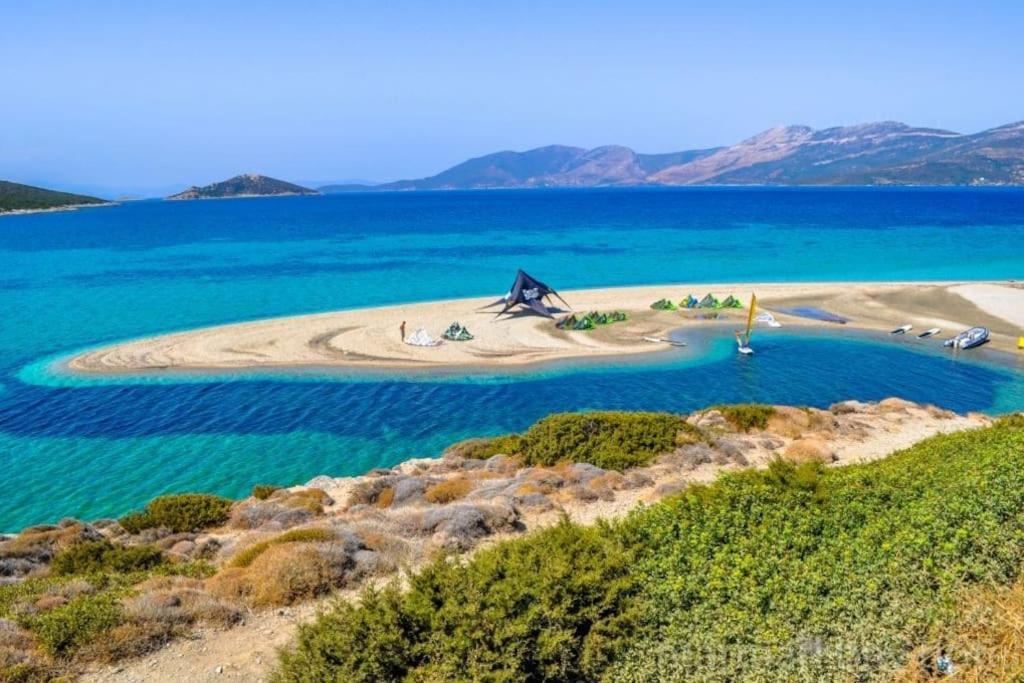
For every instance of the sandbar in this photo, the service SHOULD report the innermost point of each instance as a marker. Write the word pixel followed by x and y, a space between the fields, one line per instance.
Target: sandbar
pixel 369 338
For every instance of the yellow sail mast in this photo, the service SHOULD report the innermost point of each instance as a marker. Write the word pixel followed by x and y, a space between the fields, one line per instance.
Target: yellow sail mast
pixel 750 315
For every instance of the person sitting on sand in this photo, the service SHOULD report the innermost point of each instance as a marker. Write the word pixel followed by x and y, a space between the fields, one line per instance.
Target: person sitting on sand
pixel 402 329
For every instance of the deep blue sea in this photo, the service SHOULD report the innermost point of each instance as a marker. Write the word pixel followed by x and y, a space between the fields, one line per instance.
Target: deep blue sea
pixel 69 281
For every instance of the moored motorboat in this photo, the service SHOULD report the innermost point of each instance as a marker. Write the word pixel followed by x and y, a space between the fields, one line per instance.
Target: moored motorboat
pixel 968 339
pixel 929 333
pixel 902 329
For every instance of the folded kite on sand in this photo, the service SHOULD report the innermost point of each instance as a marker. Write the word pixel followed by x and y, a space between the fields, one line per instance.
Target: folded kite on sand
pixel 421 338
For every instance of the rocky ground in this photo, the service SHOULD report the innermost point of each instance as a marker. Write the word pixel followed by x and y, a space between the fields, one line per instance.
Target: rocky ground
pixel 345 532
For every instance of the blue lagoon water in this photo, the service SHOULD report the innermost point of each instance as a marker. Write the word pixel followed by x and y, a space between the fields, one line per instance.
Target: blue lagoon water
pixel 74 280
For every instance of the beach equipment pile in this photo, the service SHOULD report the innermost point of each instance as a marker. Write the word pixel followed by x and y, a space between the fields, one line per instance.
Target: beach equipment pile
pixel 732 302
pixel 709 301
pixel 663 305
pixel 590 320
pixel 456 332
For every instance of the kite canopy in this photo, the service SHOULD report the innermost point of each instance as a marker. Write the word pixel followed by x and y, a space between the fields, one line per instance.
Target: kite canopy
pixel 527 291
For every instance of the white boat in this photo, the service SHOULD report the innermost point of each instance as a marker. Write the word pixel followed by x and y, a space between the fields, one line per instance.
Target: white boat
pixel 768 319
pixel 968 339
pixel 661 340
pixel 902 329
pixel 743 340
pixel 929 333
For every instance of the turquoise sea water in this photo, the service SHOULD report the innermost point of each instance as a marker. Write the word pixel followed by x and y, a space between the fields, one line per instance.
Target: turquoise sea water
pixel 74 280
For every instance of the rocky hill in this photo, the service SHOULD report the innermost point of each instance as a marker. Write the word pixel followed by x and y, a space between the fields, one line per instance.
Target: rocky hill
pixel 17 197
pixel 247 185
pixel 884 153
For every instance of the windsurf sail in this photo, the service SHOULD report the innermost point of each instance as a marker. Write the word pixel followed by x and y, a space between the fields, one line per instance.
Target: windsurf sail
pixel 743 340
pixel 750 317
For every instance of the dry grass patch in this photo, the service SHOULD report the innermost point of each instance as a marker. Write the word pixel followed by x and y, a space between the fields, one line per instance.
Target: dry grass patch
pixel 530 489
pixel 385 498
pixel 449 490
pixel 985 644
pixel 282 575
pixel 313 500
pixel 809 450
pixel 310 535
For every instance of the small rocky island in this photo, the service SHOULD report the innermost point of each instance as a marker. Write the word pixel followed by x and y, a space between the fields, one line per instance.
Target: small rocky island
pixel 247 185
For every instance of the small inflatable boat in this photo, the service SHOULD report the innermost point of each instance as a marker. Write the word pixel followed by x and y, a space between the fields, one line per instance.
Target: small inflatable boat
pixel 968 339
pixel 902 329
pixel 929 333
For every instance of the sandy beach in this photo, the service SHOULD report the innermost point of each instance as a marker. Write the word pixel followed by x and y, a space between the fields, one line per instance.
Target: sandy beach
pixel 370 338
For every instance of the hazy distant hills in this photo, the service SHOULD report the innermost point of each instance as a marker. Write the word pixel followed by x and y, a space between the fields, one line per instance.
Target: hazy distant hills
pixel 885 153
pixel 17 197
pixel 247 185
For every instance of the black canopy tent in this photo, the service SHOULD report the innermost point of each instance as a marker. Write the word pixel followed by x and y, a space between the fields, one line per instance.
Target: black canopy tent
pixel 527 291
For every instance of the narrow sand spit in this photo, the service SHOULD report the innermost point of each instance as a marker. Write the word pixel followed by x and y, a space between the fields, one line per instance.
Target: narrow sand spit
pixel 369 338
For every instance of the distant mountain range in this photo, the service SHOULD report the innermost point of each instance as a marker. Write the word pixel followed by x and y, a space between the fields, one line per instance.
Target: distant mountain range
pixel 885 153
pixel 17 197
pixel 247 185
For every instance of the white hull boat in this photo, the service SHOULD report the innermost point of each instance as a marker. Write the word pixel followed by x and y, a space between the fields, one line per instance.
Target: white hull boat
pixel 968 339
pixel 902 329
pixel 661 340
pixel 929 333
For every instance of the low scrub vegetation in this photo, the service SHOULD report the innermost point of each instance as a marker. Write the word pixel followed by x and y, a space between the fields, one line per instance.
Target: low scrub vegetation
pixel 264 491
pixel 747 416
pixel 610 440
pixel 104 557
pixel 803 571
pixel 556 606
pixel 179 513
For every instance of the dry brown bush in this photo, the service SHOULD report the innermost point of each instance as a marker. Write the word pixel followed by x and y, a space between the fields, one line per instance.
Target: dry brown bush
pixel 449 490
pixel 289 572
pixel 130 639
pixel 809 450
pixel 313 500
pixel 282 575
pixel 529 488
pixel 385 498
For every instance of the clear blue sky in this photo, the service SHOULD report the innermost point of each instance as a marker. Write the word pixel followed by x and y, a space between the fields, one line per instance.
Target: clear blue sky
pixel 151 94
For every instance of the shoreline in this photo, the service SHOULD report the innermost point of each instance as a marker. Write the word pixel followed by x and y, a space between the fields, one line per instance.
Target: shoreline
pixel 57 209
pixel 369 338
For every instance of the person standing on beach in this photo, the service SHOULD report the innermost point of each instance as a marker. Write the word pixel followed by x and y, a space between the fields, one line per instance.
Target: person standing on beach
pixel 402 329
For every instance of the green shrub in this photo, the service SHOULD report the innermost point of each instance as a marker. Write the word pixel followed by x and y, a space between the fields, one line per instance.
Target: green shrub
pixel 179 513
pixel 63 630
pixel 103 556
pixel 799 572
pixel 611 440
pixel 555 606
pixel 747 416
pixel 1011 420
pixel 264 491
pixel 310 535
pixel 481 449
